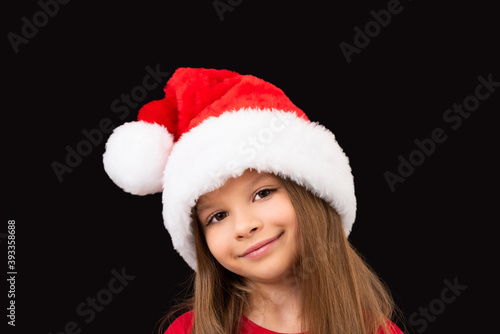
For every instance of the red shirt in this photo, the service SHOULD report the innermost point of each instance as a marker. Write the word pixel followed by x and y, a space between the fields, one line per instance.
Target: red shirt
pixel 184 323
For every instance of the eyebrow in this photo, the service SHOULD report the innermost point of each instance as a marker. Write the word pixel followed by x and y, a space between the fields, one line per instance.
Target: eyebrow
pixel 197 208
pixel 250 185
pixel 258 179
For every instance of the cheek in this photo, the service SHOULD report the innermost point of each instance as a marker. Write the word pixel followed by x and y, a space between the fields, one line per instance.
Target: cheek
pixel 282 213
pixel 217 243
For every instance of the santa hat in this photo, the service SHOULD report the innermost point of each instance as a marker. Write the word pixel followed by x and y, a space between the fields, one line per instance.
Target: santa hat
pixel 213 125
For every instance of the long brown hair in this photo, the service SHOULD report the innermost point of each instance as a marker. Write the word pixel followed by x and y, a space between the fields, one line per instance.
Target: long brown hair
pixel 340 292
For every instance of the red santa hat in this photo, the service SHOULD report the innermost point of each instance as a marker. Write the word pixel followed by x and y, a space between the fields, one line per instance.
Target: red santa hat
pixel 213 125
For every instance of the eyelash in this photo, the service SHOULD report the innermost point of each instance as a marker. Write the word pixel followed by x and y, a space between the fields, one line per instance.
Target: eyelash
pixel 269 190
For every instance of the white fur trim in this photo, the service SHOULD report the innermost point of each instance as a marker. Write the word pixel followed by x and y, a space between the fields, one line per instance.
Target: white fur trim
pixel 135 157
pixel 265 140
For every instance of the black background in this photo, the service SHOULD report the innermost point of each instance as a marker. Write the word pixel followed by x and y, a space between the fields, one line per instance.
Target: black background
pixel 438 225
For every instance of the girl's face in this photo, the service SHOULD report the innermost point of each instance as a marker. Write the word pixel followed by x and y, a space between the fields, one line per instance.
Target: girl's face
pixel 250 226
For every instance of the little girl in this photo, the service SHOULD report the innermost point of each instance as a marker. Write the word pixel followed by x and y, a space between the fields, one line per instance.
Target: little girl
pixel 259 201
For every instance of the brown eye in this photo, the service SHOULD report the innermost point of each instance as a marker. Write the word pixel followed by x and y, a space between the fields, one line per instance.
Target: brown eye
pixel 263 193
pixel 217 217
pixel 220 215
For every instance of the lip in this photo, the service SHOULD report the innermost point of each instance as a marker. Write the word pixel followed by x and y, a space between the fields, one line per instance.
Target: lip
pixel 261 247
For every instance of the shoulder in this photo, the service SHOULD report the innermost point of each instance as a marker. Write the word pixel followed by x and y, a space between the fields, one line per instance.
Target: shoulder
pixel 181 325
pixel 391 329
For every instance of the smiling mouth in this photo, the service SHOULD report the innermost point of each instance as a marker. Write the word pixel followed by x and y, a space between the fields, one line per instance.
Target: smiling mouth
pixel 260 248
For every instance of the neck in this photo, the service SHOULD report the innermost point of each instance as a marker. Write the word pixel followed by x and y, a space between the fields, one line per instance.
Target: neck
pixel 276 306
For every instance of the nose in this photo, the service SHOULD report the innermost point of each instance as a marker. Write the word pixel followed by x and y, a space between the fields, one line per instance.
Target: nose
pixel 246 226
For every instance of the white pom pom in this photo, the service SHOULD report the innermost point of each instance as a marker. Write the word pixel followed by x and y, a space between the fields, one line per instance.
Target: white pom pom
pixel 136 155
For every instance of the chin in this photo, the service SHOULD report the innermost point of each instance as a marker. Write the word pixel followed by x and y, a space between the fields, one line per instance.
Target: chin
pixel 270 272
